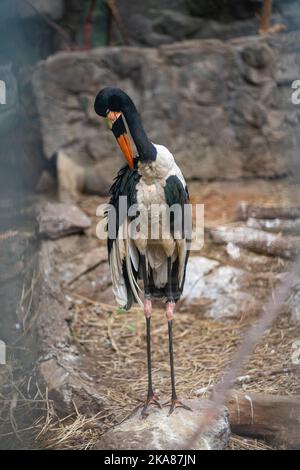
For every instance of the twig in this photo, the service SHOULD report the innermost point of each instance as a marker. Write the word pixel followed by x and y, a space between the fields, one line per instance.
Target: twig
pixel 96 302
pixel 88 300
pixel 266 15
pixel 33 283
pixel 266 373
pixel 111 4
pixel 85 271
pixel 246 379
pixel 13 422
pixel 113 343
pixel 50 23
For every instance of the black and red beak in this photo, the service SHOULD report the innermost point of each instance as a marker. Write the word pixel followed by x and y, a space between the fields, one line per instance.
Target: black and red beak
pixel 120 133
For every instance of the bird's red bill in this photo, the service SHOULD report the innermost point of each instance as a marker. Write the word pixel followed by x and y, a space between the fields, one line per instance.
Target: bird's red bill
pixel 125 145
pixel 120 133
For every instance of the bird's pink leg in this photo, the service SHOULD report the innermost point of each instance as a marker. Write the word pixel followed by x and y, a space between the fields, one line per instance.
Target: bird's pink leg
pixel 170 311
pixel 152 399
pixel 147 307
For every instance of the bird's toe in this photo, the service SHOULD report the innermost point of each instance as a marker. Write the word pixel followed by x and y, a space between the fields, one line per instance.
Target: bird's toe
pixel 151 400
pixel 175 403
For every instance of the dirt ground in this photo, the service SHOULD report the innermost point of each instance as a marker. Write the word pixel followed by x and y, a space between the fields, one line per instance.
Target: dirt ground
pixel 112 342
pixel 113 345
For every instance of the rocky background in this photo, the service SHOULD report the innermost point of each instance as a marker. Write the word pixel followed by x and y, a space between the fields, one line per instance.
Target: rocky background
pixel 223 108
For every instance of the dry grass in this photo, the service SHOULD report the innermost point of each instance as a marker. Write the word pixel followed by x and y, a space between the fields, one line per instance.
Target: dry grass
pixel 31 422
pixel 74 432
pixel 116 343
pixel 113 349
pixel 241 443
pixel 113 346
pixel 20 413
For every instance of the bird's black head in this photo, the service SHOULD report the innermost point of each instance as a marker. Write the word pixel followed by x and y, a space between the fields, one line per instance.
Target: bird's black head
pixel 110 103
pixel 110 99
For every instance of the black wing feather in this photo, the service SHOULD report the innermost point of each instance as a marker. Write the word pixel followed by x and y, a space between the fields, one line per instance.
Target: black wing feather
pixel 124 185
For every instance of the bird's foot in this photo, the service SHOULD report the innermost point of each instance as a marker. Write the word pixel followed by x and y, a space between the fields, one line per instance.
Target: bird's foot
pixel 151 400
pixel 175 403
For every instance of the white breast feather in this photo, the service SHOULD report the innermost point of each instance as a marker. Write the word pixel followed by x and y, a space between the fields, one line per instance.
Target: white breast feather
pixel 150 189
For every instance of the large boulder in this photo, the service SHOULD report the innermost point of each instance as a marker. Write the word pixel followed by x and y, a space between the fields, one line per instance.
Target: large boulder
pixel 59 368
pixel 223 108
pixel 162 432
pixel 171 25
pixel 218 290
pixel 57 220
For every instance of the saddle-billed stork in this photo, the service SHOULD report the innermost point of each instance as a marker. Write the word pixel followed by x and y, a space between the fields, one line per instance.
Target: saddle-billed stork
pixel 152 177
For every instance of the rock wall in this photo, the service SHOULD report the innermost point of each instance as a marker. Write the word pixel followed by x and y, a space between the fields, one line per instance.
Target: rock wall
pixel 156 22
pixel 25 39
pixel 223 108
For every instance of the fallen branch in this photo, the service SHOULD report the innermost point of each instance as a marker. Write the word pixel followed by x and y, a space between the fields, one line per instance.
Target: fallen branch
pixel 276 419
pixel 257 240
pixel 254 334
pixel 245 210
pixel 275 225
